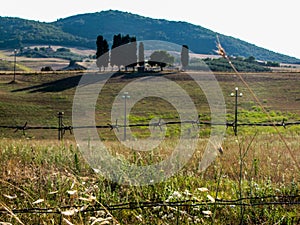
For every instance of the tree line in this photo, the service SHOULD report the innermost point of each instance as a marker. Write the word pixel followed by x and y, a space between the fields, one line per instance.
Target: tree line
pixel 125 53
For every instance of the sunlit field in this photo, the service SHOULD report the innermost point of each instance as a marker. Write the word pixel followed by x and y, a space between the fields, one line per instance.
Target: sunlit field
pixel 254 177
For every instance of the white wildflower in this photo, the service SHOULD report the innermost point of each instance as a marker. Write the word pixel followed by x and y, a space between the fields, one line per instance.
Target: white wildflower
pixel 203 189
pixel 211 198
pixel 196 208
pixel 83 208
pixel 176 194
pixel 170 216
pixel 140 217
pixel 156 208
pixel 89 199
pixel 197 220
pixel 73 184
pixel 96 170
pixel 10 197
pixel 69 212
pixel 72 192
pixel 207 212
pixel 38 201
pixel 187 193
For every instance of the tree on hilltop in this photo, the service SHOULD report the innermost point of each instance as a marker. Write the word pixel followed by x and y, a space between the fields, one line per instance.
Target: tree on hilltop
pixel 115 51
pixel 185 56
pixel 161 59
pixel 141 54
pixel 130 55
pixel 102 54
pixel 124 51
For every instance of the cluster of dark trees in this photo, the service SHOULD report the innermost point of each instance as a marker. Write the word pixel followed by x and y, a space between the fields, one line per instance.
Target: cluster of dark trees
pixel 102 50
pixel 124 53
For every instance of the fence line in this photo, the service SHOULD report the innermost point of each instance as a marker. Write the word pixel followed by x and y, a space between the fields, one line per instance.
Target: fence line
pixel 62 129
pixel 253 202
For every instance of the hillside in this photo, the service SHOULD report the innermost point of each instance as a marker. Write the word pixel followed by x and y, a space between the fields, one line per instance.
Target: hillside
pixel 16 32
pixel 82 30
pixel 199 39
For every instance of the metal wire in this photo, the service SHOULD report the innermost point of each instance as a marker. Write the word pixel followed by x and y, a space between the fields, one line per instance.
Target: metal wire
pixel 287 200
pixel 111 126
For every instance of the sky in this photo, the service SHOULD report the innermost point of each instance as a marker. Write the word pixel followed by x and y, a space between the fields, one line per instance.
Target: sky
pixel 265 23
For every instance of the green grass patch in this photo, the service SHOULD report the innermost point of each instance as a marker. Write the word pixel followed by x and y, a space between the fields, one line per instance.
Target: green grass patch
pixel 37 98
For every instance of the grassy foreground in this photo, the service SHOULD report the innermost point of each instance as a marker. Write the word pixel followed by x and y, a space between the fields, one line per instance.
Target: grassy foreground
pixel 53 177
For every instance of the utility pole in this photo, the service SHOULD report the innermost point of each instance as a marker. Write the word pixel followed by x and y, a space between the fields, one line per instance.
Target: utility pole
pixel 125 97
pixel 60 125
pixel 236 95
pixel 15 62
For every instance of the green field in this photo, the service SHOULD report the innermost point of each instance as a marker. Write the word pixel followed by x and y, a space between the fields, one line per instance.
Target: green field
pixel 38 172
pixel 37 98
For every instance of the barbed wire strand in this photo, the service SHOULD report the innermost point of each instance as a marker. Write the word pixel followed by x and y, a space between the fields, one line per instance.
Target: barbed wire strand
pixel 286 200
pixel 110 126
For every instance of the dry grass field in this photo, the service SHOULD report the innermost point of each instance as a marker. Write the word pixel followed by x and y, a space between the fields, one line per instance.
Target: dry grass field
pixel 45 181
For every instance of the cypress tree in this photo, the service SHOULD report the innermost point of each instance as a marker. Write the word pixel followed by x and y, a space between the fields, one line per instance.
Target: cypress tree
pixel 185 56
pixel 115 58
pixel 102 54
pixel 141 54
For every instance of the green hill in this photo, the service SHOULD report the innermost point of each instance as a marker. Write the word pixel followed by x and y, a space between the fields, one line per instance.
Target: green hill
pixel 82 30
pixel 16 32
pixel 199 39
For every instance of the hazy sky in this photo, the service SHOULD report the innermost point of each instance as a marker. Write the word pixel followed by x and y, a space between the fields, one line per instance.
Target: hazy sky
pixel 269 24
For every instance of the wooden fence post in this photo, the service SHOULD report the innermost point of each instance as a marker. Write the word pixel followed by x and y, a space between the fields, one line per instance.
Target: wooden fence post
pixel 60 125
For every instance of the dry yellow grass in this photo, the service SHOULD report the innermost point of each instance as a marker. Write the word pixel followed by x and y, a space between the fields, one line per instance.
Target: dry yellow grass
pixel 48 174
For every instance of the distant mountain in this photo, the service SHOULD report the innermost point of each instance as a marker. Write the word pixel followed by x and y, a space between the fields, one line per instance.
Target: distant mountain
pixel 82 30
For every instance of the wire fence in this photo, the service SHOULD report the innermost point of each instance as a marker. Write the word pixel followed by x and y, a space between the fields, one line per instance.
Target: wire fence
pixel 287 200
pixel 62 129
pixel 181 207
